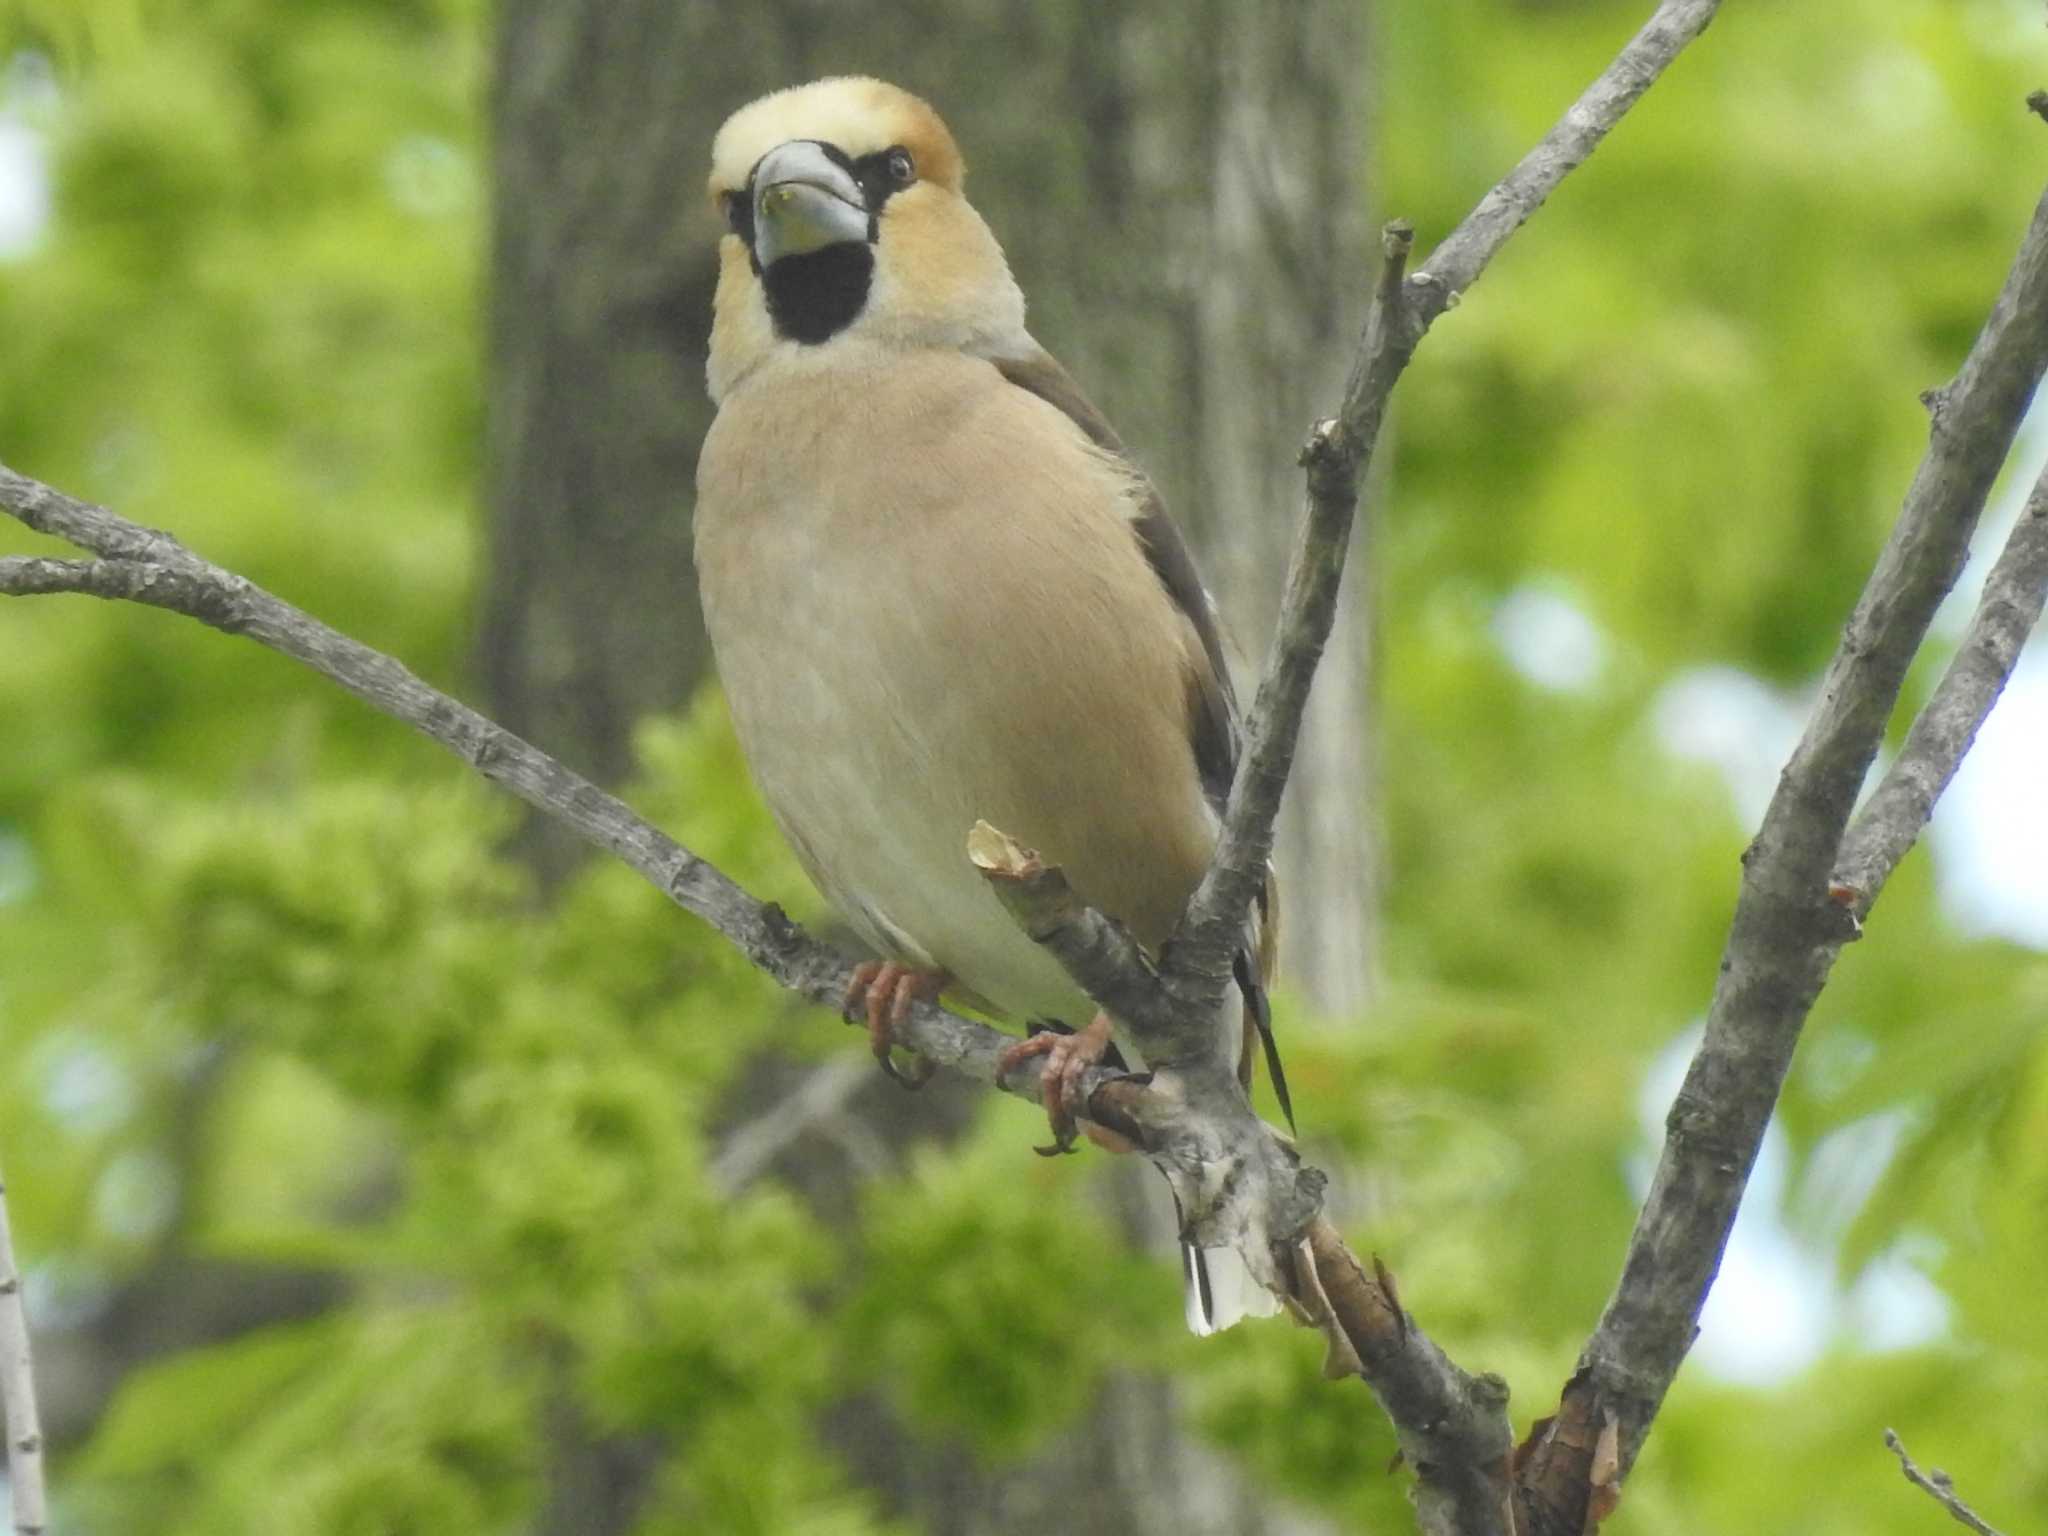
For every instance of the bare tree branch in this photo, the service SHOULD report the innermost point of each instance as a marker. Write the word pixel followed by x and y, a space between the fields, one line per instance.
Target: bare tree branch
pixel 1097 951
pixel 18 1393
pixel 1937 1484
pixel 1790 919
pixel 142 565
pixel 1948 723
pixel 1338 456
pixel 1452 1426
pixel 1456 264
pixel 1239 1182
pixel 820 1099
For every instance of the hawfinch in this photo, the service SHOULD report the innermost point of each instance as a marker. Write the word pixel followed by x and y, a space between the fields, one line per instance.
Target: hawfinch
pixel 938 592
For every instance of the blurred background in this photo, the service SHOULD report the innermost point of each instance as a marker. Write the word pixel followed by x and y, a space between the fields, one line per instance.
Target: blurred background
pixel 383 1166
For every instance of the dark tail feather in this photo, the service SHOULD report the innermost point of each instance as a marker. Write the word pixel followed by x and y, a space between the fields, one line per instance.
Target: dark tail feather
pixel 1196 1289
pixel 1219 1287
pixel 1261 1010
pixel 1201 1298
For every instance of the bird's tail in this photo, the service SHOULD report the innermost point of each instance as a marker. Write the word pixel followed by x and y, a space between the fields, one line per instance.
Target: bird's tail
pixel 1218 1287
pixel 1221 1289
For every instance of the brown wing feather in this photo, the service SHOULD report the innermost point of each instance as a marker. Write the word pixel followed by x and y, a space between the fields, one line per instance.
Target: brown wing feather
pixel 1212 706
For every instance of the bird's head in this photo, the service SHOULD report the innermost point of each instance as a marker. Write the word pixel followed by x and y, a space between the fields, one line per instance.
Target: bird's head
pixel 843 203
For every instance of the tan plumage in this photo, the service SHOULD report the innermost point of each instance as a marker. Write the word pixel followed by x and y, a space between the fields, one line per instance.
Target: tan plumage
pixel 935 659
pixel 936 589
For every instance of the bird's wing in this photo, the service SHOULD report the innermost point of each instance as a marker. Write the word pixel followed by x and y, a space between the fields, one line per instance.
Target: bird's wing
pixel 1212 702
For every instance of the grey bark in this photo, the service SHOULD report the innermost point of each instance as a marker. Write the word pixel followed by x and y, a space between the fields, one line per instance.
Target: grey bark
pixel 24 1458
pixel 1935 1484
pixel 1795 912
pixel 600 302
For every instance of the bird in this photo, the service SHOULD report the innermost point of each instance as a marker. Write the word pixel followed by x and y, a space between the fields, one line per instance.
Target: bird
pixel 939 590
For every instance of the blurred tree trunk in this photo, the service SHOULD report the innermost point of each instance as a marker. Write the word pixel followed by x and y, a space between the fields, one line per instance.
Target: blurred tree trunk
pixel 600 311
pixel 1244 134
pixel 1177 187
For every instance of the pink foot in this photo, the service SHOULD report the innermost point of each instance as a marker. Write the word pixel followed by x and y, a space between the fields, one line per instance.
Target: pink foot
pixel 884 991
pixel 1067 1058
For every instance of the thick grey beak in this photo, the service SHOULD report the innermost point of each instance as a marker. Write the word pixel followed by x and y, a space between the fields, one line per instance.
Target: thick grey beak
pixel 804 201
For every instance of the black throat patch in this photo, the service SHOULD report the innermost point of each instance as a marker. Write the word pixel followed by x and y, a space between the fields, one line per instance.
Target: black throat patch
pixel 813 297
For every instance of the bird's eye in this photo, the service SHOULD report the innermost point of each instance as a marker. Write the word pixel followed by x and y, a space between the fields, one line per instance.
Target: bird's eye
pixel 902 169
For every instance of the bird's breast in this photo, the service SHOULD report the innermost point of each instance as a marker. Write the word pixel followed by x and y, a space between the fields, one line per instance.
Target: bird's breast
pixel 928 607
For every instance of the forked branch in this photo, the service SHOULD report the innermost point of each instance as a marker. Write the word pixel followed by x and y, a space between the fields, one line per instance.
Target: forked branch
pixel 1806 886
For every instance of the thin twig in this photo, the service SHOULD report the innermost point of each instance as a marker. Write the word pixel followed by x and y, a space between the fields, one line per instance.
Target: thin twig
pixel 1097 951
pixel 1338 456
pixel 145 566
pixel 1790 920
pixel 821 1097
pixel 1948 722
pixel 18 1392
pixel 1456 264
pixel 1937 1484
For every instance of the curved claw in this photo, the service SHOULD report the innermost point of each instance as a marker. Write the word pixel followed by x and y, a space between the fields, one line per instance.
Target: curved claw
pixel 1059 1084
pixel 880 995
pixel 920 1071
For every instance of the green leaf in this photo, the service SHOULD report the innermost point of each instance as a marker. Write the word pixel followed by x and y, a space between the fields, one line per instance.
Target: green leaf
pixel 177 1413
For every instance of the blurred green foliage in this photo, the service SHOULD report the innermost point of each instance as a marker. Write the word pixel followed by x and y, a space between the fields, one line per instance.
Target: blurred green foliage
pixel 268 991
